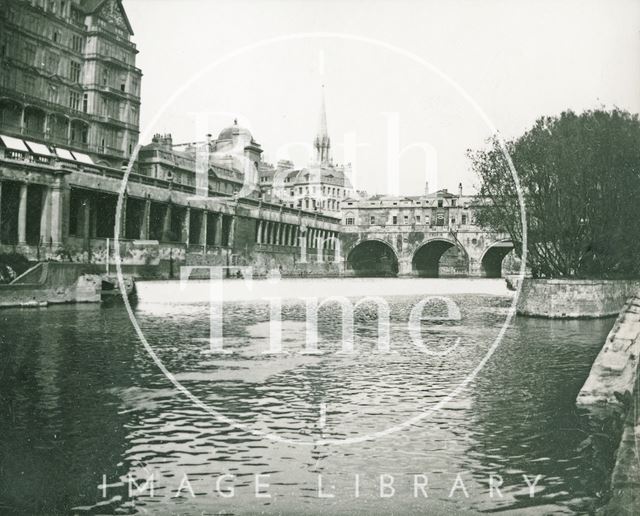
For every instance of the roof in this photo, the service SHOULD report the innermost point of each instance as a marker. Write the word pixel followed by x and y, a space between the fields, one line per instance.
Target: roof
pixel 91 6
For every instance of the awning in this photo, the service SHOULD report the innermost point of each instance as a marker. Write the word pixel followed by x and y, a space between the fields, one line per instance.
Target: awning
pixel 64 154
pixel 83 158
pixel 13 143
pixel 38 148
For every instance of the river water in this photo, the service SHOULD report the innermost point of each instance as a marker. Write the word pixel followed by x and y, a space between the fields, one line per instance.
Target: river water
pixel 85 410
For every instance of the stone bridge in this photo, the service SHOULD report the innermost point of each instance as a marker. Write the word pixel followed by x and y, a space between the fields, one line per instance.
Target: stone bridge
pixel 426 251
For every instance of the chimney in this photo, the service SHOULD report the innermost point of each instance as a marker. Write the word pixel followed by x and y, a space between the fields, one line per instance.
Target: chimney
pixel 426 187
pixel 460 190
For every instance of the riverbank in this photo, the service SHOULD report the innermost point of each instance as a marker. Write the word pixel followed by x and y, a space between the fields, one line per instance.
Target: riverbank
pixel 574 298
pixel 612 388
pixel 58 282
pixel 625 480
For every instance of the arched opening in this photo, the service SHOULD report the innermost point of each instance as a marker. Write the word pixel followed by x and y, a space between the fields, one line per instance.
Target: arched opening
pixel 79 133
pixel 10 115
pixel 373 258
pixel 440 258
pixel 58 128
pixel 493 258
pixel 34 121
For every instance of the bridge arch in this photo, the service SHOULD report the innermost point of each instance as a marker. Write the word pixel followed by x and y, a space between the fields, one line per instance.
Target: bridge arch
pixel 492 257
pixel 426 259
pixel 373 258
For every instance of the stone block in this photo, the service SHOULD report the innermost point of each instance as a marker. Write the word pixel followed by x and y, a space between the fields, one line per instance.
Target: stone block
pixel 615 362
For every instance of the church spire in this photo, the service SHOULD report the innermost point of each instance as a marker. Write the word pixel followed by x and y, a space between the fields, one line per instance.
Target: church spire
pixel 322 142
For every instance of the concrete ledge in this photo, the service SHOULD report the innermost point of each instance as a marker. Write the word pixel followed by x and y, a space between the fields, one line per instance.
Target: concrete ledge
pixel 574 299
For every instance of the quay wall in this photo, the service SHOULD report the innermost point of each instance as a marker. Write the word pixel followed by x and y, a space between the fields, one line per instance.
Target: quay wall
pixel 625 479
pixel 613 374
pixel 51 283
pixel 612 389
pixel 572 299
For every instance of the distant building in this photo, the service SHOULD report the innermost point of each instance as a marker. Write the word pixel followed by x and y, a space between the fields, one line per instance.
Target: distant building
pixel 69 77
pixel 442 210
pixel 321 186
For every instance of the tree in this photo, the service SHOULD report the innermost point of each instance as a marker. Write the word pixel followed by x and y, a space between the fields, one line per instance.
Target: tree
pixel 580 180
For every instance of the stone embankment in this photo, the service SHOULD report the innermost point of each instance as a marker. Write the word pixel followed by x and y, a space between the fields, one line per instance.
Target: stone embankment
pixel 613 374
pixel 52 283
pixel 573 298
pixel 612 387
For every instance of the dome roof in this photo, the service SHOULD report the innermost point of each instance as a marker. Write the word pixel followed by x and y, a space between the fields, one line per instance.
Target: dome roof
pixel 234 130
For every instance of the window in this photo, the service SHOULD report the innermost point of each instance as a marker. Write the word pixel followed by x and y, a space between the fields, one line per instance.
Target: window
pixel 56 36
pixel 85 102
pixel 418 219
pixel 426 220
pixel 440 203
pixel 406 219
pixel 372 220
pixel 74 100
pixel 76 43
pixel 30 54
pixel 105 76
pixel 453 202
pixel 76 16
pixel 464 218
pixel 395 219
pixel 74 71
pixel 440 219
pixel 349 221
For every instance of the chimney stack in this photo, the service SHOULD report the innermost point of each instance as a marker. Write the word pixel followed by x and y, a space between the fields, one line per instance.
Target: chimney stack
pixel 426 187
pixel 460 190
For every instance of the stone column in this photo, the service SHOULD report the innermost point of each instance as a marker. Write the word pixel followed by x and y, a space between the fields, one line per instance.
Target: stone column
pixel 186 223
pixel 278 232
pixel 144 227
pixel 86 219
pixel 45 216
pixel 202 240
pixel 22 215
pixel 56 201
pixel 285 234
pixel 217 239
pixel 166 224
pixel 259 232
pixel 232 231
pixel 267 232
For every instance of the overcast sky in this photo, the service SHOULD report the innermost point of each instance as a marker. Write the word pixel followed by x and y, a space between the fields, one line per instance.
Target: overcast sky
pixel 516 60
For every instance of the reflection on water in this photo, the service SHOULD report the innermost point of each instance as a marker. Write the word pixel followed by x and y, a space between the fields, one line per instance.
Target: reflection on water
pixel 81 398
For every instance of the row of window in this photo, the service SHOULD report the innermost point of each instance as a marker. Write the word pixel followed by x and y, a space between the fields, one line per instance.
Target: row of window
pixel 439 220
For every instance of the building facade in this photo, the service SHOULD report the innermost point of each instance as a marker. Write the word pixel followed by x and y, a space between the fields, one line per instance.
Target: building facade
pixel 69 115
pixel 69 76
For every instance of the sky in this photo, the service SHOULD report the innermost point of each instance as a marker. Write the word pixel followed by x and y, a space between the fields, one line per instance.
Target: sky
pixel 409 85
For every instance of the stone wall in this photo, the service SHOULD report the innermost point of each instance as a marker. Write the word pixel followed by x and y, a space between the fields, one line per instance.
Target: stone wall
pixel 613 373
pixel 565 298
pixel 52 283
